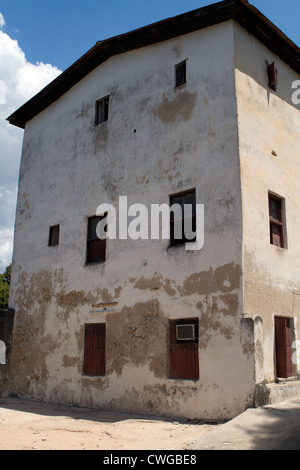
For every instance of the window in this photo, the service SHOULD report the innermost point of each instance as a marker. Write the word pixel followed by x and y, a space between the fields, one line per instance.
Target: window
pixel 184 363
pixel 96 247
pixel 53 235
pixel 277 235
pixel 102 107
pixel 272 76
pixel 180 74
pixel 94 349
pixel 183 218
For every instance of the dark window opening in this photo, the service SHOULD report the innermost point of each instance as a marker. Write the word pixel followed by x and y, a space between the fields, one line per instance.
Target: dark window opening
pixel 277 226
pixel 183 219
pixel 102 108
pixel 180 74
pixel 184 361
pixel 94 349
pixel 272 76
pixel 96 247
pixel 53 235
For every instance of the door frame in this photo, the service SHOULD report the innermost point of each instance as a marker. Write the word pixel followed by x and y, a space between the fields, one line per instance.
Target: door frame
pixel 283 346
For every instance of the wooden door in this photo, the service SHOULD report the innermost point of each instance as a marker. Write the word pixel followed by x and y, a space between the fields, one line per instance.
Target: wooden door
pixel 94 349
pixel 283 344
pixel 184 362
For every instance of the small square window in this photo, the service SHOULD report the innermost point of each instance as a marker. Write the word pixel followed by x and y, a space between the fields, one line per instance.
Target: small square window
pixel 102 107
pixel 180 74
pixel 53 235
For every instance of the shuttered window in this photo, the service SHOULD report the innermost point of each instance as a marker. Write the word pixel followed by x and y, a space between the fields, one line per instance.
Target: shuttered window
pixel 272 76
pixel 276 214
pixel 94 349
pixel 183 221
pixel 184 361
pixel 102 108
pixel 53 235
pixel 180 74
pixel 96 247
pixel 283 343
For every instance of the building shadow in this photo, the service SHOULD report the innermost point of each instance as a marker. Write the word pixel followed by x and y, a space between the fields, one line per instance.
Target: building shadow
pixel 91 414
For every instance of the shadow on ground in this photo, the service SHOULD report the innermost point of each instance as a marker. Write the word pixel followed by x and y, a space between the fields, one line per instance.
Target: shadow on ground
pixel 92 414
pixel 273 427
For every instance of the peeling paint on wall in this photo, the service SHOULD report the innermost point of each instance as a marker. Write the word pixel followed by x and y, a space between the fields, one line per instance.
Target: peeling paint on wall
pixel 157 142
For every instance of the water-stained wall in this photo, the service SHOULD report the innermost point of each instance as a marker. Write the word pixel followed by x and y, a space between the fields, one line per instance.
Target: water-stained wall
pixel 158 140
pixel 269 152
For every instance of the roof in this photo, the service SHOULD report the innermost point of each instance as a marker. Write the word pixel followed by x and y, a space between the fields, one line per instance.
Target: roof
pixel 239 10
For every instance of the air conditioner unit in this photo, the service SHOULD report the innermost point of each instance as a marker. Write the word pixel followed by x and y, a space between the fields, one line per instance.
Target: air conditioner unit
pixel 185 332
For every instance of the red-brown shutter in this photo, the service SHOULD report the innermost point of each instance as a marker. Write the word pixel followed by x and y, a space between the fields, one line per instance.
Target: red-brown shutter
pixel 276 221
pixel 276 235
pixel 184 362
pixel 94 349
pixel 283 343
pixel 96 250
pixel 96 247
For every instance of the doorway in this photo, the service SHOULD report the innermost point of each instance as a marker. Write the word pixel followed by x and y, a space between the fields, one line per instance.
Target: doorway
pixel 283 347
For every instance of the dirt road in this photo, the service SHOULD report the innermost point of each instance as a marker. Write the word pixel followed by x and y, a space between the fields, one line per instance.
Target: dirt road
pixel 29 425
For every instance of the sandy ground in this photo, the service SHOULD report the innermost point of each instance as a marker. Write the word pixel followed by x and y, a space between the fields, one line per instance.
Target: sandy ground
pixel 29 425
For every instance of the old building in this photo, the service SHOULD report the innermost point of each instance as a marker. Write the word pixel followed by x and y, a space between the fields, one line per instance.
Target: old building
pixel 196 109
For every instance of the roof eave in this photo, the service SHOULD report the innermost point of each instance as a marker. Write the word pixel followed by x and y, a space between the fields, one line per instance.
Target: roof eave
pixel 240 10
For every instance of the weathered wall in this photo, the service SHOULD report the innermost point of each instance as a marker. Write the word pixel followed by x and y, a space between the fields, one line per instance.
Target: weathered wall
pixel 6 333
pixel 158 141
pixel 269 135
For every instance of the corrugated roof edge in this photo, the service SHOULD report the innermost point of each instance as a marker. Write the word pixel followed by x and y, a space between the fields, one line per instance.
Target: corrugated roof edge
pixel 239 10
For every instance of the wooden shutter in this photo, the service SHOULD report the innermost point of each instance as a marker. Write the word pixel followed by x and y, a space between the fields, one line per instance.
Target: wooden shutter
pixel 283 342
pixel 96 247
pixel 276 235
pixel 184 222
pixel 94 349
pixel 180 74
pixel 95 250
pixel 102 108
pixel 276 221
pixel 53 235
pixel 272 76
pixel 184 362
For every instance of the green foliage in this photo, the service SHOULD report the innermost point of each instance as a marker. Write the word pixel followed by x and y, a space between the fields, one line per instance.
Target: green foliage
pixel 4 287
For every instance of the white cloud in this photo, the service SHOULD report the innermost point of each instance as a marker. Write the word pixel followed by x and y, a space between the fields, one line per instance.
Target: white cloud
pixel 2 21
pixel 19 81
pixel 2 92
pixel 6 247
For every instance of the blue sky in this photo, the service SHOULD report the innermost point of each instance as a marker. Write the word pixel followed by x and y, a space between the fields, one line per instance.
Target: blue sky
pixel 40 39
pixel 59 32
